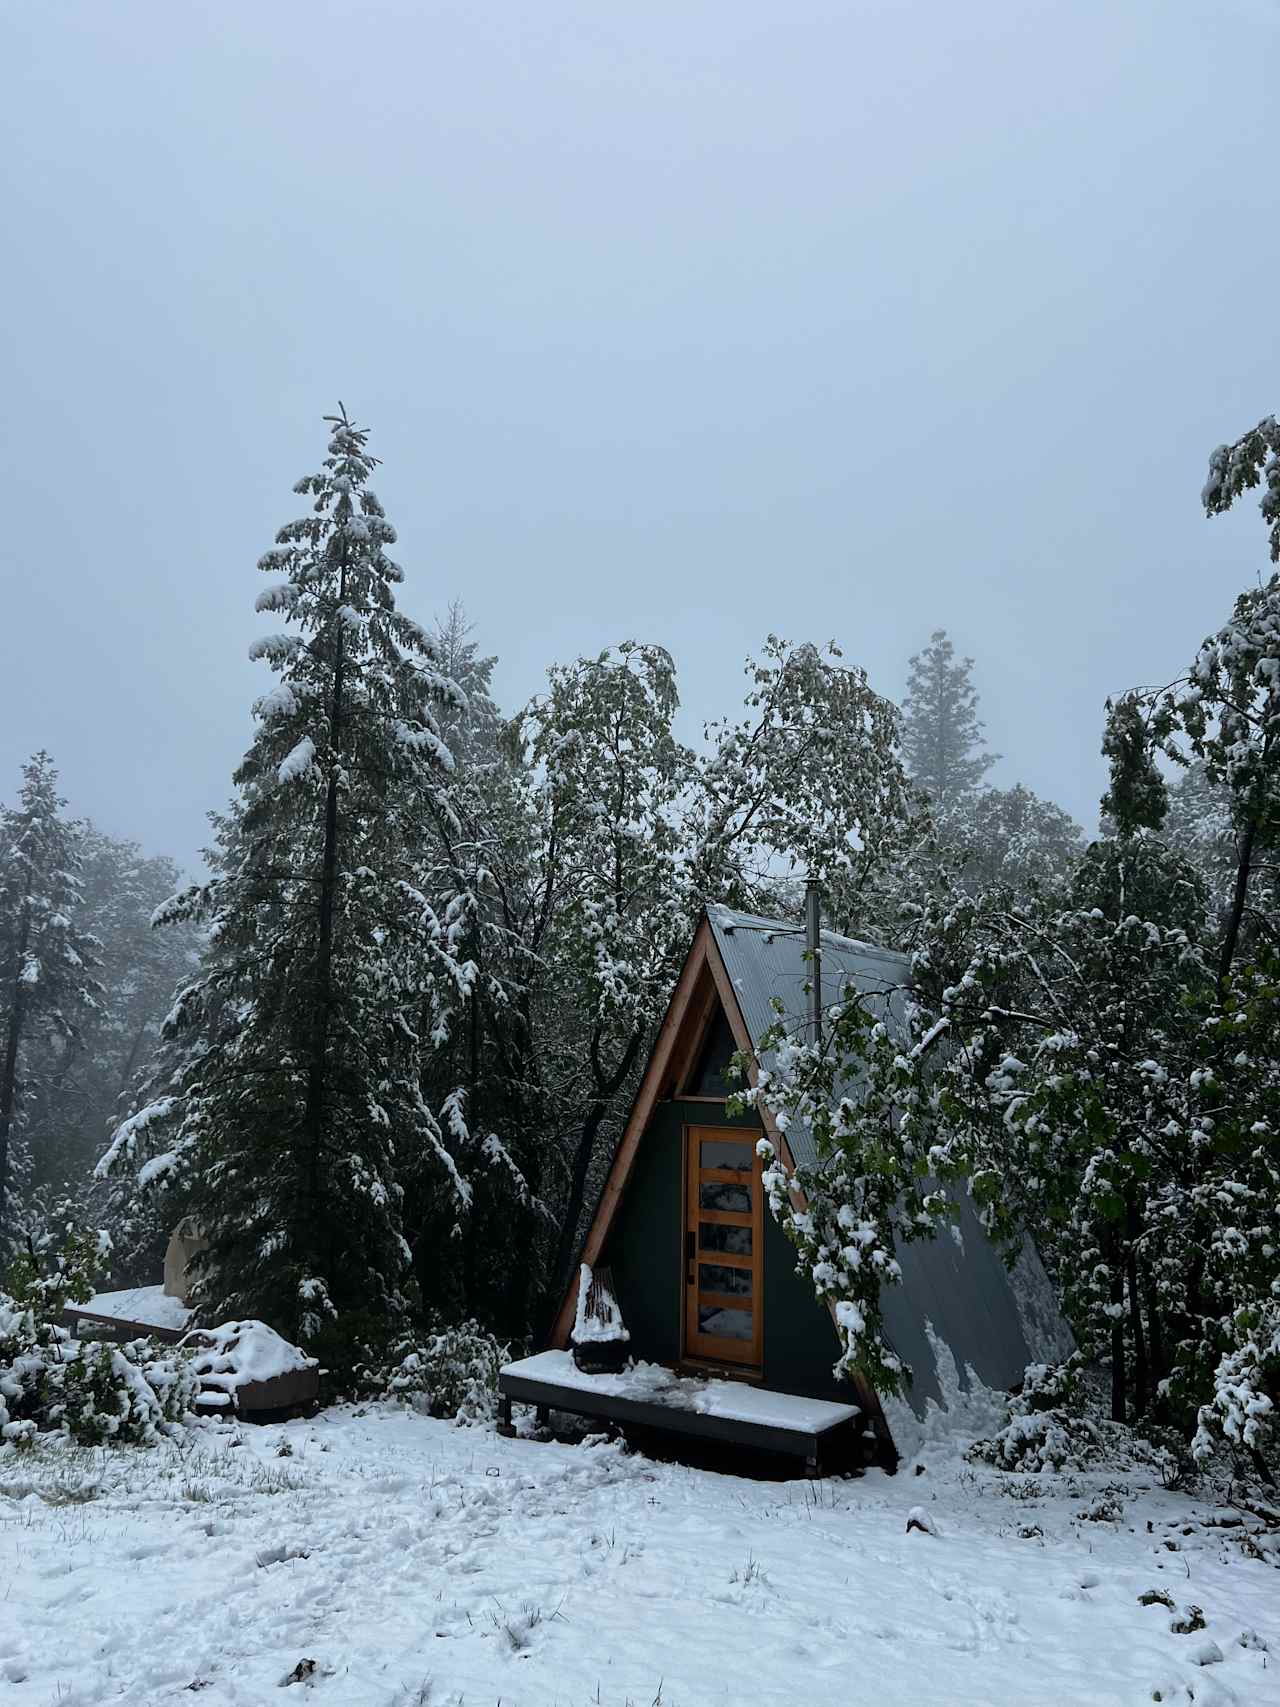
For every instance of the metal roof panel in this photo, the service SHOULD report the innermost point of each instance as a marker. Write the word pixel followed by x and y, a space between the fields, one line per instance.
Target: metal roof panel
pixel 956 1291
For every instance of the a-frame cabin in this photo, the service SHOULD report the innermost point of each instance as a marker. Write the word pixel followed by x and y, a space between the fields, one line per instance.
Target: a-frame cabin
pixel 705 1278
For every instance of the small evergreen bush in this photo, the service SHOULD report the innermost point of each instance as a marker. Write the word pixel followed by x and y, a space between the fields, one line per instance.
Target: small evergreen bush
pixel 452 1372
pixel 1042 1434
pixel 51 1382
pixel 1032 1441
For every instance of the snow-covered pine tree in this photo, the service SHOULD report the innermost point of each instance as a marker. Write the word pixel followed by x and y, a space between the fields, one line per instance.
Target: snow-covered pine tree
pixel 295 1115
pixel 472 728
pixel 77 1082
pixel 46 960
pixel 480 861
pixel 1012 839
pixel 942 740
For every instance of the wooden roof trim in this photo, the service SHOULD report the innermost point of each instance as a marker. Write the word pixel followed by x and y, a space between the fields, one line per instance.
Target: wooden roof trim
pixel 654 1075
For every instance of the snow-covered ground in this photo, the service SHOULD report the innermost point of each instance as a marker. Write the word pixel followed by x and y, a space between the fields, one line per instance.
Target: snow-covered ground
pixel 418 1563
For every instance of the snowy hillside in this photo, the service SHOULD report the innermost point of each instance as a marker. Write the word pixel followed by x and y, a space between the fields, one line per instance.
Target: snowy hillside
pixel 415 1563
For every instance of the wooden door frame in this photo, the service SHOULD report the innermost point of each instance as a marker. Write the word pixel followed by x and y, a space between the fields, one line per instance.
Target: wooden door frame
pixel 746 1356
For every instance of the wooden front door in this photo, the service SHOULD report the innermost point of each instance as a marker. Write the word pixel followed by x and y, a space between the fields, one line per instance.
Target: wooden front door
pixel 722 1318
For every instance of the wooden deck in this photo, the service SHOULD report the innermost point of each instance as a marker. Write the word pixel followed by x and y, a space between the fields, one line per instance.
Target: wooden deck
pixel 817 1431
pixel 137 1312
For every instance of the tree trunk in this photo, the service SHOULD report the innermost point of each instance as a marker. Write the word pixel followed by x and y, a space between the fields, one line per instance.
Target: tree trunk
pixel 8 1097
pixel 314 1113
pixel 9 1076
pixel 1238 899
pixel 1141 1373
pixel 1141 1366
pixel 127 1072
pixel 566 1244
pixel 584 1153
pixel 1155 1336
pixel 1118 1410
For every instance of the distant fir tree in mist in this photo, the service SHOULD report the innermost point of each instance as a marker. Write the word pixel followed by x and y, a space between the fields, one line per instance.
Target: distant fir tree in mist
pixel 472 725
pixel 942 740
pixel 287 1111
pixel 77 1081
pixel 46 960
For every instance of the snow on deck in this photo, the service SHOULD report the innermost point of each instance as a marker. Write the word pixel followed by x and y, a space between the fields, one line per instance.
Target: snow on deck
pixel 651 1383
pixel 150 1306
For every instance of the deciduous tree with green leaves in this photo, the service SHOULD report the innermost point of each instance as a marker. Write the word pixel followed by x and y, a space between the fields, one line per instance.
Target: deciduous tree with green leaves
pixel 1100 1063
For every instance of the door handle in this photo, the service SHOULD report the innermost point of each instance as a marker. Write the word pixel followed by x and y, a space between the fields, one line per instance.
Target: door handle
pixel 690 1248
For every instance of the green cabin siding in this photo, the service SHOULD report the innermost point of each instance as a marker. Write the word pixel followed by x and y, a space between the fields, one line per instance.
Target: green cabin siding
pixel 645 1250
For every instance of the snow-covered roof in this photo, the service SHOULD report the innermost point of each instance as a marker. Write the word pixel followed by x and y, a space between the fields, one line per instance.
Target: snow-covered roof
pixel 956 1295
pixel 765 961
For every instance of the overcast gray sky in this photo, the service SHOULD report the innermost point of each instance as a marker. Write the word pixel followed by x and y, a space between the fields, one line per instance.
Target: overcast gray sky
pixel 683 320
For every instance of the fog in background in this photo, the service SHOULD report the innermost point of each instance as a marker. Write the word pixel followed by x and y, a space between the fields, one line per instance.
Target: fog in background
pixel 683 322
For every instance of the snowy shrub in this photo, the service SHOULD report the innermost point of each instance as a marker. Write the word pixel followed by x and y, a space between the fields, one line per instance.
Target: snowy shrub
pixel 59 1265
pixel 1042 1440
pixel 1048 1386
pixel 1041 1433
pixel 19 1374
pixel 1242 1409
pixel 94 1393
pixel 51 1383
pixel 124 1395
pixel 451 1373
pixel 1050 1429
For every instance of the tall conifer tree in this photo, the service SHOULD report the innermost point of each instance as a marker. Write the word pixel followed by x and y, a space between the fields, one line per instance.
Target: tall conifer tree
pixel 296 1109
pixel 942 739
pixel 45 959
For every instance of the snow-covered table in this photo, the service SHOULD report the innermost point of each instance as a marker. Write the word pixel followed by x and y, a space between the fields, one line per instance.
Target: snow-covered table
pixel 649 1395
pixel 247 1368
pixel 133 1313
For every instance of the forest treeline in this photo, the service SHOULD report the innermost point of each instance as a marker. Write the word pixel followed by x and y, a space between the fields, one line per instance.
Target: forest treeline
pixel 384 1050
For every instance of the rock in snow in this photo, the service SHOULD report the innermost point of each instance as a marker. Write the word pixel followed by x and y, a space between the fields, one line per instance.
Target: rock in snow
pixel 918 1518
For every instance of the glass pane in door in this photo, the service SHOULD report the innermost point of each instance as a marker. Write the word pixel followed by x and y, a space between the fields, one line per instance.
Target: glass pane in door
pixel 734 1241
pixel 716 1277
pixel 735 1153
pixel 723 1323
pixel 725 1196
